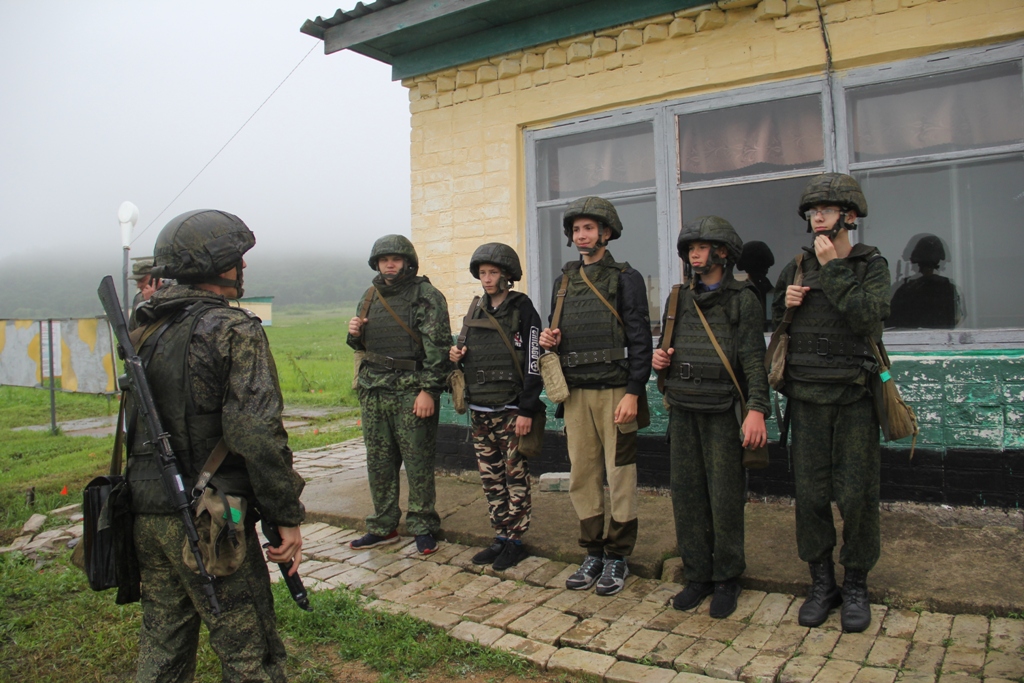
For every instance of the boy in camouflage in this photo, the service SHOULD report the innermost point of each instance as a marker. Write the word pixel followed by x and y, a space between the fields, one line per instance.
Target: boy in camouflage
pixel 403 330
pixel 707 480
pixel 843 299
pixel 499 355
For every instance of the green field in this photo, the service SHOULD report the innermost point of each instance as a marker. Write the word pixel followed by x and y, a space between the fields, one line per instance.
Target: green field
pixel 53 628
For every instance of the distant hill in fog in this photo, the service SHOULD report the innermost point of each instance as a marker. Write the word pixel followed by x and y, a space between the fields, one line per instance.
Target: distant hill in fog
pixel 65 285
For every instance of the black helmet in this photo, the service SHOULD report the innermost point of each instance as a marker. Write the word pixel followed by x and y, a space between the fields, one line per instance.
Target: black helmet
pixel 712 229
pixel 398 245
pixel 499 254
pixel 200 245
pixel 834 188
pixel 757 257
pixel 601 210
pixel 928 251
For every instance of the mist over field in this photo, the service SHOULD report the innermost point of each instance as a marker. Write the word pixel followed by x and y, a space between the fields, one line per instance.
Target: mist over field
pixel 59 285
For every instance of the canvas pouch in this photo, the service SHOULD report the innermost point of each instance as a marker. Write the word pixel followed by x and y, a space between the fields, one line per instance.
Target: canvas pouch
pixel 220 521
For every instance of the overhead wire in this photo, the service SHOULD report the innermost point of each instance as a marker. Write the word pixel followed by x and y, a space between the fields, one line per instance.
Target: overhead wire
pixel 224 146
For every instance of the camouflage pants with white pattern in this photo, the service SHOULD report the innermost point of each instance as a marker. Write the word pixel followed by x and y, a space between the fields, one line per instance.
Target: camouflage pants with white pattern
pixel 504 473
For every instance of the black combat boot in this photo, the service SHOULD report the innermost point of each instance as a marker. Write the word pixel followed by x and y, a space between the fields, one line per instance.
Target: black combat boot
pixel 856 614
pixel 823 596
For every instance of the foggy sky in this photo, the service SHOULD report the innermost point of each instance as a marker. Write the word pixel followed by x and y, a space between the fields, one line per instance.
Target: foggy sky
pixel 102 102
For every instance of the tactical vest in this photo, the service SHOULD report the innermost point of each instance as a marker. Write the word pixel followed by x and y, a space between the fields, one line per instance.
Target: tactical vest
pixel 383 335
pixel 697 380
pixel 192 436
pixel 822 347
pixel 492 380
pixel 594 345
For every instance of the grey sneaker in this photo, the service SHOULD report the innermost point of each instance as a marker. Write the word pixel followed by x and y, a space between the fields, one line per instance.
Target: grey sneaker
pixel 613 578
pixel 588 573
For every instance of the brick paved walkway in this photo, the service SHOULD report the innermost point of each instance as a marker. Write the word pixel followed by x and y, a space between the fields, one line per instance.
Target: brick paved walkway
pixel 635 636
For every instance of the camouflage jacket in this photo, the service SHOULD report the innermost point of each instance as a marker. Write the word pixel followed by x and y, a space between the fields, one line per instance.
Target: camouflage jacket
pixel 232 371
pixel 863 303
pixel 431 322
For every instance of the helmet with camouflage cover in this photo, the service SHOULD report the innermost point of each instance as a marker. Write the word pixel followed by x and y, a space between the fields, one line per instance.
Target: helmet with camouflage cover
pixel 834 188
pixel 601 210
pixel 501 255
pixel 717 231
pixel 395 245
pixel 198 246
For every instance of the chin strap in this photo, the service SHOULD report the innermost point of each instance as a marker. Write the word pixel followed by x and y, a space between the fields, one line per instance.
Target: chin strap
pixel 225 282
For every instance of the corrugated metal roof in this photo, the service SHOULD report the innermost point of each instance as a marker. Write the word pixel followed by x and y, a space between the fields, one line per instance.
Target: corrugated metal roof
pixel 317 27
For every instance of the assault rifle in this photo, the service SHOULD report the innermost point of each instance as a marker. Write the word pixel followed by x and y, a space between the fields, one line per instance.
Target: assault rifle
pixel 143 395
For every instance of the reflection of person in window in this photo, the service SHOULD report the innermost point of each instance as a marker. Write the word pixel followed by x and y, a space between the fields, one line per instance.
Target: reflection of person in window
pixel 755 261
pixel 926 300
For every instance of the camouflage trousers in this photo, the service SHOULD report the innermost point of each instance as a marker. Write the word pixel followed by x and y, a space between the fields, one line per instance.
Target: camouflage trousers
pixel 709 490
pixel 504 473
pixel 244 634
pixel 393 436
pixel 836 456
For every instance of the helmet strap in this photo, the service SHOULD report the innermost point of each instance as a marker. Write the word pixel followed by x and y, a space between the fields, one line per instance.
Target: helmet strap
pixel 236 284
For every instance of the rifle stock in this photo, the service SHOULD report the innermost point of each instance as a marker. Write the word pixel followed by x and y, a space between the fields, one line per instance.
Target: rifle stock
pixel 139 387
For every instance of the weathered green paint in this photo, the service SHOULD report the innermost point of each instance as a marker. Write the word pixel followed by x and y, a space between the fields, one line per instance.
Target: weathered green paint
pixel 972 399
pixel 449 51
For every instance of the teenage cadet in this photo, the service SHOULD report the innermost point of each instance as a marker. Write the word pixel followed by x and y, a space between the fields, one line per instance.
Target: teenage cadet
pixel 604 343
pixel 403 329
pixel 843 299
pixel 707 433
pixel 499 356
pixel 213 380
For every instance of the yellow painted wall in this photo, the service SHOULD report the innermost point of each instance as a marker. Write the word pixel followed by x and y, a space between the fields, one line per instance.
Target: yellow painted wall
pixel 467 146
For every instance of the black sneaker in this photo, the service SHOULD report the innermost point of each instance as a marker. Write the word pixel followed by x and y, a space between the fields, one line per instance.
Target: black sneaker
pixel 613 578
pixel 587 575
pixel 373 540
pixel 510 556
pixel 692 595
pixel 489 555
pixel 426 544
pixel 724 602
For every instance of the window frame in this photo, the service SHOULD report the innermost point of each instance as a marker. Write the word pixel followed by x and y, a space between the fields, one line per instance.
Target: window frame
pixel 837 157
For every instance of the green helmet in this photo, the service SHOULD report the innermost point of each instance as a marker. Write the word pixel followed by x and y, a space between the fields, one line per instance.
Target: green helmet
pixel 601 210
pixel 397 245
pixel 200 245
pixel 713 229
pixel 834 188
pixel 141 268
pixel 501 255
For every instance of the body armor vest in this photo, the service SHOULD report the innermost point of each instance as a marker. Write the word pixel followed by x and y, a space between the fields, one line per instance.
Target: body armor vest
pixel 492 378
pixel 822 347
pixel 192 436
pixel 383 335
pixel 928 302
pixel 589 328
pixel 697 380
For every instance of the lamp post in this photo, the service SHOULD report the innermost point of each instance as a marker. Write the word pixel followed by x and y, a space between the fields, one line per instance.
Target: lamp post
pixel 127 216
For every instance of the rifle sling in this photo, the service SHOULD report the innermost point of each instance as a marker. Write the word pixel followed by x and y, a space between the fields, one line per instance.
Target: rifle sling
pixel 210 467
pixel 563 287
pixel 787 318
pixel 364 309
pixel 721 357
pixel 465 322
pixel 670 328
pixel 401 323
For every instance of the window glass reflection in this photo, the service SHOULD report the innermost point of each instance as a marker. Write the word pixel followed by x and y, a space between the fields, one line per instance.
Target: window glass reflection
pixel 596 162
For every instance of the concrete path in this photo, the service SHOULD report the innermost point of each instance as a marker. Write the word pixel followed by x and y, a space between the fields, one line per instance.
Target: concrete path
pixel 636 635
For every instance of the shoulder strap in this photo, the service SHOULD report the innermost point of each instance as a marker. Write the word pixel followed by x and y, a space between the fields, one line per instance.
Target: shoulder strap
pixel 465 322
pixel 508 344
pixel 364 309
pixel 117 454
pixel 670 328
pixel 590 284
pixel 401 323
pixel 559 301
pixel 780 331
pixel 721 356
pixel 210 467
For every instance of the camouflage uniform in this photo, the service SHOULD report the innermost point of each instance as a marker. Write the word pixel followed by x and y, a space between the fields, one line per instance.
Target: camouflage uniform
pixel 393 434
pixel 835 443
pixel 504 473
pixel 230 373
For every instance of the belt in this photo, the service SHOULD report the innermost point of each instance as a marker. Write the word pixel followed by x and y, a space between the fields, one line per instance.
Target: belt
pixel 574 358
pixel 824 346
pixel 694 372
pixel 485 376
pixel 392 363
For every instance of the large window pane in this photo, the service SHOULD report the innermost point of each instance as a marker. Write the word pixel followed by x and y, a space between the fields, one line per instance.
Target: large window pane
pixel 966 110
pixel 764 137
pixel 638 245
pixel 761 212
pixel 974 209
pixel 597 162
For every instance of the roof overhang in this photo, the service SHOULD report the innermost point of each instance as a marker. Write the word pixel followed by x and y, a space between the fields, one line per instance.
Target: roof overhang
pixel 422 36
